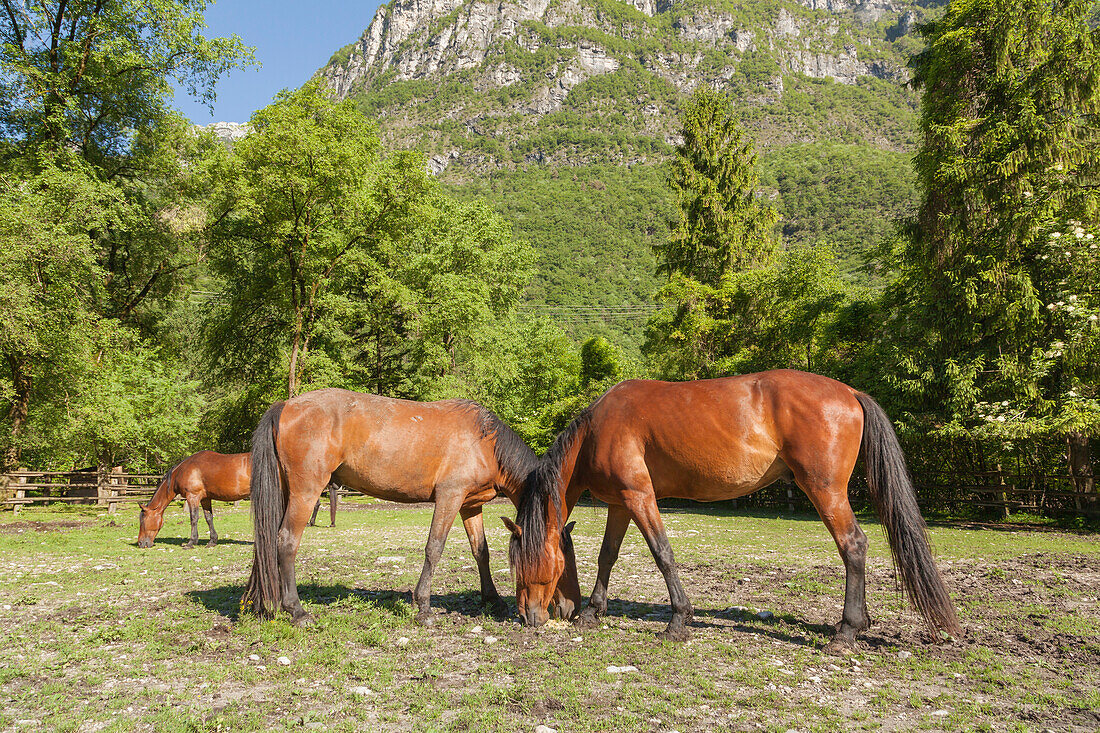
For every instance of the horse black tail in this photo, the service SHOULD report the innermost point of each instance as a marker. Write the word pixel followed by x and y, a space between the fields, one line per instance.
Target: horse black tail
pixel 263 593
pixel 895 503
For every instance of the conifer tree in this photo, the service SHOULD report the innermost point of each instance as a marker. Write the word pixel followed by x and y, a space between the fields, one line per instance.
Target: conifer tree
pixel 995 318
pixel 722 226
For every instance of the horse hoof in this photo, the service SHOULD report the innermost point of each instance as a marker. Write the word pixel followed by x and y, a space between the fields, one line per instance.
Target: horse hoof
pixel 303 620
pixel 187 546
pixel 586 620
pixel 679 634
pixel 498 608
pixel 425 618
pixel 212 543
pixel 838 647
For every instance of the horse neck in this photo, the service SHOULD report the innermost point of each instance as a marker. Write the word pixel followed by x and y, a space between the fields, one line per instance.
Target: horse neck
pixel 162 497
pixel 567 498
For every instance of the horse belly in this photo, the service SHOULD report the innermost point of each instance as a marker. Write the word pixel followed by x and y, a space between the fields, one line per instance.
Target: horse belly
pixel 386 482
pixel 715 477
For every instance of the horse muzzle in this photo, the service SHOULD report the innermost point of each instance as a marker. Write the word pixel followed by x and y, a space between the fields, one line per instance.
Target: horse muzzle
pixel 535 617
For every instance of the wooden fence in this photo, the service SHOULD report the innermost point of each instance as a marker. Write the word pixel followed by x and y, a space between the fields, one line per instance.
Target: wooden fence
pixel 997 493
pixel 104 488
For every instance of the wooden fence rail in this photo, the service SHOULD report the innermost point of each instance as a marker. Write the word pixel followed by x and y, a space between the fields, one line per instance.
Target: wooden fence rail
pixel 110 489
pixel 1004 493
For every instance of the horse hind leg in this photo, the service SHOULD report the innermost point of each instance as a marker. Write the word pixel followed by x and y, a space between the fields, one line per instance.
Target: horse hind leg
pixel 447 505
pixel 208 512
pixel 289 539
pixel 835 511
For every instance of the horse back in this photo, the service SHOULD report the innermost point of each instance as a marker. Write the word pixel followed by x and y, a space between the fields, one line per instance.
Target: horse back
pixel 217 476
pixel 393 449
pixel 717 439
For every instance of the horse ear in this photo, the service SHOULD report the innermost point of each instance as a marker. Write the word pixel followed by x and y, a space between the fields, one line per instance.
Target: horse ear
pixel 512 526
pixel 569 529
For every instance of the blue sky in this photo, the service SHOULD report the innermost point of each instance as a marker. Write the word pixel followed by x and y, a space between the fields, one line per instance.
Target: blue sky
pixel 292 38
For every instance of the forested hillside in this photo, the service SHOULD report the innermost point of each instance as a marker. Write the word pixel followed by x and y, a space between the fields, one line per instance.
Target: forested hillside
pixel 562 114
pixel 523 204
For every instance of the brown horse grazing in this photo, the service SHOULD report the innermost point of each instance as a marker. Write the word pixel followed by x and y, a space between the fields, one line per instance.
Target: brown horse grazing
pixel 198 479
pixel 454 453
pixel 720 439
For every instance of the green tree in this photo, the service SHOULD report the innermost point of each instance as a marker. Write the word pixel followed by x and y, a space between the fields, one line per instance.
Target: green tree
pixel 95 231
pixel 305 193
pixel 994 323
pixel 723 225
pixel 779 315
pixel 84 76
pixel 49 270
pixel 599 362
pixel 341 266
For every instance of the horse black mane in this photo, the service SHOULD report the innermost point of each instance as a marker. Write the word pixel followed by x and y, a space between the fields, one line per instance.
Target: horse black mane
pixel 515 457
pixel 543 490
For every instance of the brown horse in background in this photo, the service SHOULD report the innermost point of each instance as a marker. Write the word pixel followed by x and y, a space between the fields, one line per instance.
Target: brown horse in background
pixel 454 453
pixel 199 479
pixel 720 439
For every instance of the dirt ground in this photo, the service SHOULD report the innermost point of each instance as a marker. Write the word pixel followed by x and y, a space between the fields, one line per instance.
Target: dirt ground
pixel 98 635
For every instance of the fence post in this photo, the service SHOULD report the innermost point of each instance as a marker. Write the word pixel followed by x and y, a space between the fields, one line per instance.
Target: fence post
pixel 19 494
pixel 114 482
pixel 1002 495
pixel 102 485
pixel 790 498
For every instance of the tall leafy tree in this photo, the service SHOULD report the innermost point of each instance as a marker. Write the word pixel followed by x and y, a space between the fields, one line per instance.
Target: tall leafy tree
pixel 779 315
pixel 733 302
pixel 723 225
pixel 344 266
pixel 81 76
pixel 306 193
pixel 90 154
pixel 994 320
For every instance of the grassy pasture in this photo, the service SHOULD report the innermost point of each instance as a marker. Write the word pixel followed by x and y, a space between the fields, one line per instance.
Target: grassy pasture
pixel 96 634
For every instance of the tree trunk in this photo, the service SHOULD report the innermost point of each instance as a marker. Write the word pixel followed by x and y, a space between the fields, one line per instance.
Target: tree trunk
pixel 20 407
pixel 1080 470
pixel 292 377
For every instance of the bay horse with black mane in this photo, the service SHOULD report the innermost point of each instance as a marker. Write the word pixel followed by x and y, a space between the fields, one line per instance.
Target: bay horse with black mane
pixel 720 439
pixel 455 453
pixel 199 478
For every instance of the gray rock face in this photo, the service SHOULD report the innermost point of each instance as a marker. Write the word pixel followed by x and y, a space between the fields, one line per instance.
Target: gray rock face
pixel 421 39
pixel 228 132
pixel 471 82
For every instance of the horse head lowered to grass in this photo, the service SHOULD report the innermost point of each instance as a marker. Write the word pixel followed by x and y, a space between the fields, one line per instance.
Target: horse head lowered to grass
pixel 454 453
pixel 199 479
pixel 720 439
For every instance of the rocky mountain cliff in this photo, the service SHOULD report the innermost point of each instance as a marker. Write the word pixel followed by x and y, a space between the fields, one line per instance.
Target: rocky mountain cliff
pixel 558 111
pixel 443 74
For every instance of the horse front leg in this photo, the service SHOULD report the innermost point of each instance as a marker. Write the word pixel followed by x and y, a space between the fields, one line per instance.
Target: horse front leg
pixel 193 508
pixel 618 521
pixel 447 504
pixel 473 522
